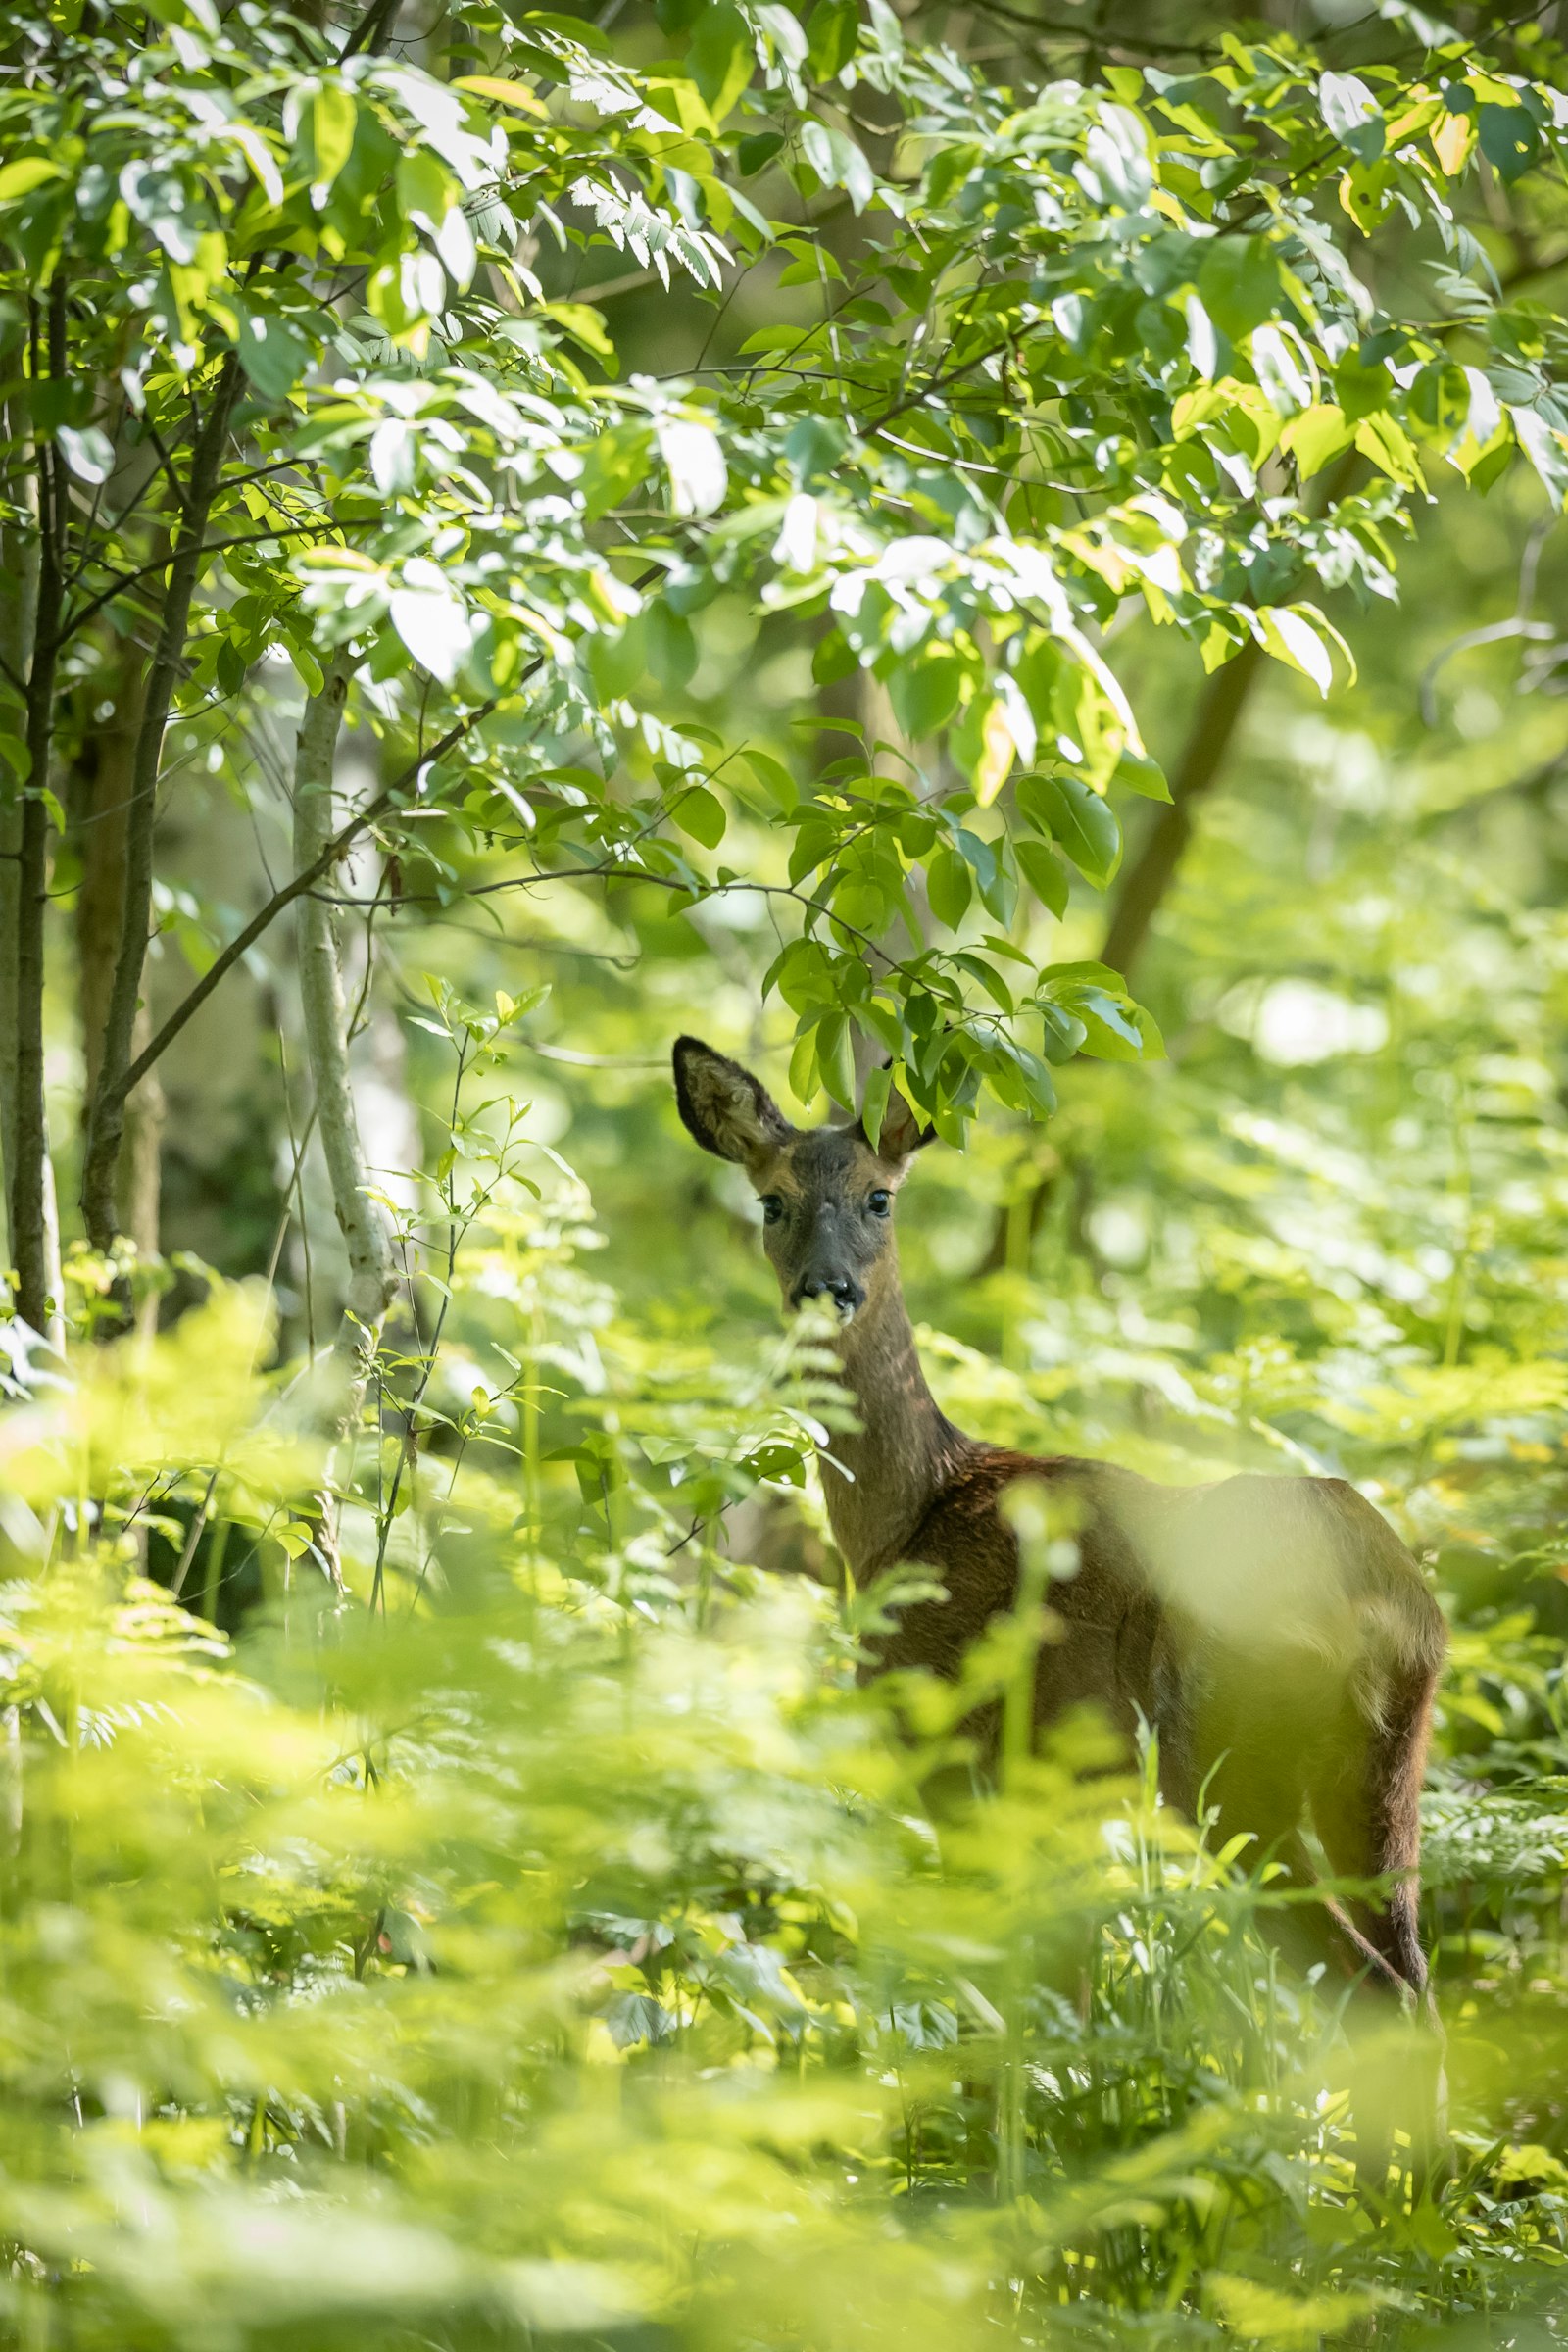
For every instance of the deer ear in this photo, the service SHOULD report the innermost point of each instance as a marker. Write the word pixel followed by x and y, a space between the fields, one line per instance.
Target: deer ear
pixel 724 1108
pixel 901 1133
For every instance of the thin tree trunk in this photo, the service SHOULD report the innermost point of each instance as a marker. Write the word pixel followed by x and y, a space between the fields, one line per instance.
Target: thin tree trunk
pixel 1149 877
pixel 107 1120
pixel 1219 709
pixel 102 798
pixel 35 1232
pixel 372 1275
pixel 19 592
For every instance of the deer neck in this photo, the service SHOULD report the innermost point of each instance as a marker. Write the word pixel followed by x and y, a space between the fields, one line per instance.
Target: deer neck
pixel 879 1481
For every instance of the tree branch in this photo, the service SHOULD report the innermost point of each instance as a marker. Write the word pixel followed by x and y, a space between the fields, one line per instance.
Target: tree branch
pixel 214 546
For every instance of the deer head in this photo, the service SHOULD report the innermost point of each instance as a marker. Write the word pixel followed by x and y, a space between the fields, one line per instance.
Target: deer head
pixel 826 1192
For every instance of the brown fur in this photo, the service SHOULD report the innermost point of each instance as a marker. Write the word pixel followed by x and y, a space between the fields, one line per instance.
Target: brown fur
pixel 1274 1632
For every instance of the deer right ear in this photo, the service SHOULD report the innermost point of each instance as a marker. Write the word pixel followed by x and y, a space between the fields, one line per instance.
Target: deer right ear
pixel 725 1109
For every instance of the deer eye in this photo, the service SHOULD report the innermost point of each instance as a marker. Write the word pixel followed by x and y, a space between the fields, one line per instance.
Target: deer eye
pixel 773 1208
pixel 879 1203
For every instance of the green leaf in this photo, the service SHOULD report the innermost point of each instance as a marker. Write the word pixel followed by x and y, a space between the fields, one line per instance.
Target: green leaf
pixel 832 30
pixel 1085 825
pixel 1509 140
pixel 615 463
pixel 1387 443
pixel 815 843
pixel 949 886
pixel 1318 434
pixel 28 172
pixel 1136 772
pixel 425 188
pixel 721 57
pixel 804 1076
pixel 755 150
pixel 333 118
pixel 271 355
pixel 1290 637
pixel 89 453
pixel 838 162
pixel 1546 451
pixel 670 643
pixel 1239 280
pixel 1113 1028
pixel 701 813
pixel 404 292
pixel 1351 114
pixel 874 1100
pixel 924 694
pixel 835 1056
pixel 773 775
pixel 1044 874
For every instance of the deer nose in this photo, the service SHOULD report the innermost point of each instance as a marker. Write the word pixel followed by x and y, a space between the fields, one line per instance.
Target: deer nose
pixel 843 1292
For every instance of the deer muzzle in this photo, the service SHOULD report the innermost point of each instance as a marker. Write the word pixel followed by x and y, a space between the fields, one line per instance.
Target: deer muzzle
pixel 845 1292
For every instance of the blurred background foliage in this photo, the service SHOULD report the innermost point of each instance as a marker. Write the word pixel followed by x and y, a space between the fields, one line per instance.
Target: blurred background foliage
pixel 456 1890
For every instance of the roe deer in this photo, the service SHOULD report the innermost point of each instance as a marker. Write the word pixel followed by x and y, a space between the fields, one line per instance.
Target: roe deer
pixel 1274 1631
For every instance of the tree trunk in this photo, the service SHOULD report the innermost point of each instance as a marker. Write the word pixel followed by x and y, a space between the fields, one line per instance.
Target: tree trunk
pixel 107 1120
pixel 1220 705
pixel 18 594
pixel 101 803
pixel 1150 876
pixel 35 1229
pixel 371 1277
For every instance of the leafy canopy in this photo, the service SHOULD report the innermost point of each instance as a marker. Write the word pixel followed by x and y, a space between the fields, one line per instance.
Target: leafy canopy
pixel 1152 342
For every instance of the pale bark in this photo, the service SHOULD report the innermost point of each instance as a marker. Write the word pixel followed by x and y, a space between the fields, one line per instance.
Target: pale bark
pixel 371 1277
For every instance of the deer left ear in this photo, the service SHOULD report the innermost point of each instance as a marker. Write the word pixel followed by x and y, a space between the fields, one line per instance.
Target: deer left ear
pixel 900 1131
pixel 724 1108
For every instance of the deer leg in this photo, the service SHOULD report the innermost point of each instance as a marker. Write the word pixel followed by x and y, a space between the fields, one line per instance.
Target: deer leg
pixel 1366 1793
pixel 1366 1789
pixel 1256 1795
pixel 1260 1789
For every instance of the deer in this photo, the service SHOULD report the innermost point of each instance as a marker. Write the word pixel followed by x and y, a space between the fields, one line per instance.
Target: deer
pixel 1272 1632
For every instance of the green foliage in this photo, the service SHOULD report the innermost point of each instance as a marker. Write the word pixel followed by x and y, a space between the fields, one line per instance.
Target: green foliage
pixel 1087 349
pixel 778 475
pixel 545 1938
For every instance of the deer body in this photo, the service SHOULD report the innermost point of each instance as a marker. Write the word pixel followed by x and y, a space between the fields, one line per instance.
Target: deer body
pixel 1274 1631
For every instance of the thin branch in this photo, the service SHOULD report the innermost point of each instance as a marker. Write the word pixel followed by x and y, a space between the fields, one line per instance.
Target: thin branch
pixel 611 870
pixel 214 546
pixel 346 835
pixel 369 30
